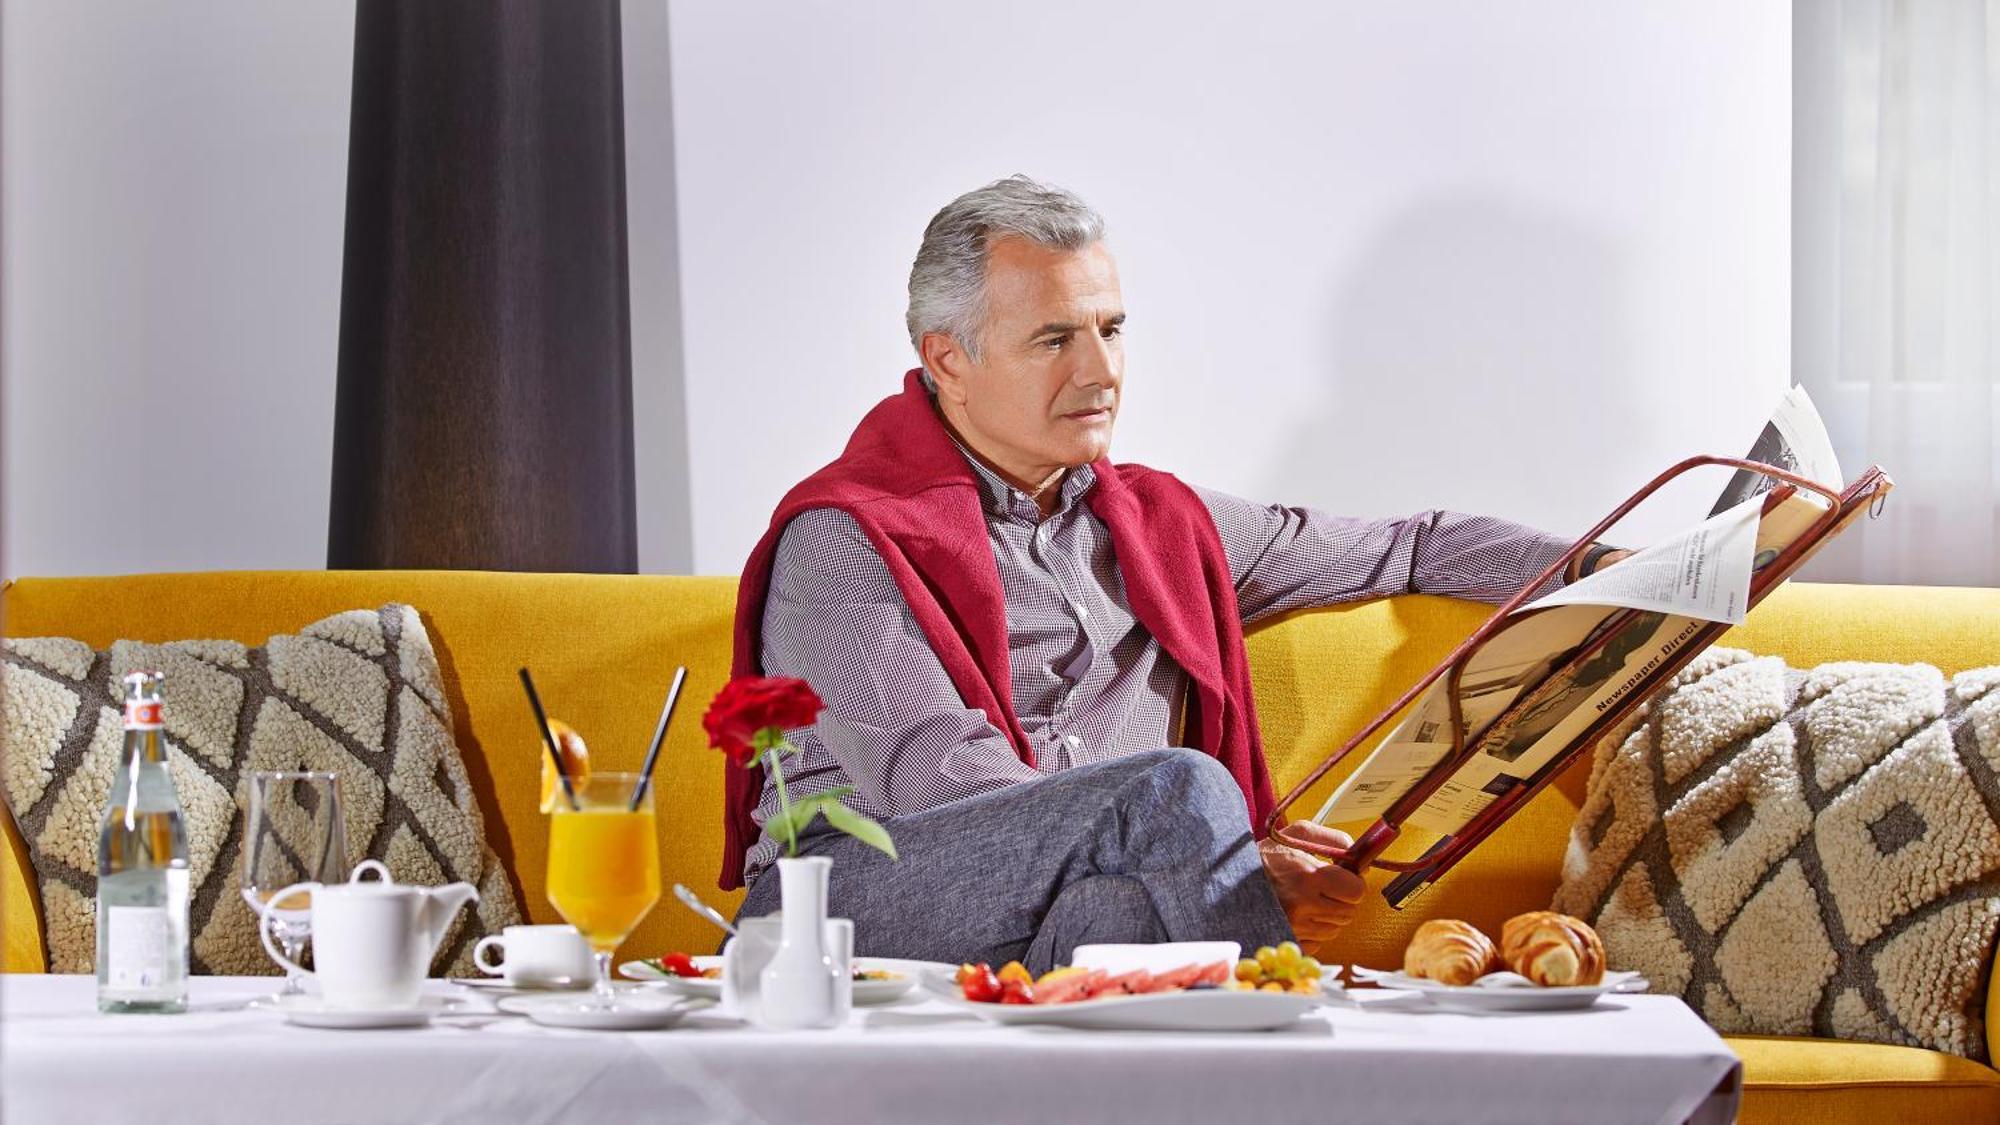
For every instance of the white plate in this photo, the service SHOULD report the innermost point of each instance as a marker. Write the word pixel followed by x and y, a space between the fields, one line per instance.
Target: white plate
pixel 1203 1009
pixel 310 1010
pixel 1154 957
pixel 908 973
pixel 634 1010
pixel 1504 992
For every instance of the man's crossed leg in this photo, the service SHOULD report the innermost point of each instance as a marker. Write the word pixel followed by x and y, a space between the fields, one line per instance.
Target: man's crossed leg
pixel 1153 846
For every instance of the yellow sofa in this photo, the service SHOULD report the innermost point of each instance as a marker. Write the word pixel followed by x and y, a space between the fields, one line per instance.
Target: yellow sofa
pixel 603 649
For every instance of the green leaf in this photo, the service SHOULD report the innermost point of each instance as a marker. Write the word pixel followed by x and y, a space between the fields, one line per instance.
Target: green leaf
pixel 800 815
pixel 834 794
pixel 858 826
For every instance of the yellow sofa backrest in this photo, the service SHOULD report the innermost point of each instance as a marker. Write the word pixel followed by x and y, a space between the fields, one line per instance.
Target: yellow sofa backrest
pixel 603 649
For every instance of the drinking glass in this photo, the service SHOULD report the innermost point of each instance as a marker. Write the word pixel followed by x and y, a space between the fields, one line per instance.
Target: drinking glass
pixel 293 833
pixel 604 866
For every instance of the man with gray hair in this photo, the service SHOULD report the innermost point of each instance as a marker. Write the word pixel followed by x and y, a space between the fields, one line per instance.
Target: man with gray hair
pixel 1032 658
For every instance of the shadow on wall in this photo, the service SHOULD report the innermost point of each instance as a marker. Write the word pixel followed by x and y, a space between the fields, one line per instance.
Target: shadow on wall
pixel 1478 362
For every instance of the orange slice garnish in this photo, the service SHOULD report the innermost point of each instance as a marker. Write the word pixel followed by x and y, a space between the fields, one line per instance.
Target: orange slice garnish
pixel 575 759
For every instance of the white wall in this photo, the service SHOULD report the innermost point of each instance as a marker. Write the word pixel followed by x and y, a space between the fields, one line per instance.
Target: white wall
pixel 652 234
pixel 1511 258
pixel 1378 257
pixel 174 180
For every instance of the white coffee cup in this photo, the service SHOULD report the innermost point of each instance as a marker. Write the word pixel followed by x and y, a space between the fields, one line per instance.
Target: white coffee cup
pixel 372 941
pixel 538 957
pixel 756 940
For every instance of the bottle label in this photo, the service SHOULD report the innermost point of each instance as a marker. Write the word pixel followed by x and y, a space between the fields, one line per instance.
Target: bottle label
pixel 142 714
pixel 137 942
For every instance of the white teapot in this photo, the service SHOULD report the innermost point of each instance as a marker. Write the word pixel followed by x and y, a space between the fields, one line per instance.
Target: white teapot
pixel 372 941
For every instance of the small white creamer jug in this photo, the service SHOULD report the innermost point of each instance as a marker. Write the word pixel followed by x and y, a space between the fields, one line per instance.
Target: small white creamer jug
pixel 372 941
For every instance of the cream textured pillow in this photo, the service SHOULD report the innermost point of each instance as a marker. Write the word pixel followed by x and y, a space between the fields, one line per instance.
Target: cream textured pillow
pixel 359 693
pixel 1803 853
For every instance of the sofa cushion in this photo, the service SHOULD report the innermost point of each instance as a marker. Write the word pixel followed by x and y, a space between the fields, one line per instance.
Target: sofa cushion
pixel 1825 1082
pixel 359 693
pixel 1810 853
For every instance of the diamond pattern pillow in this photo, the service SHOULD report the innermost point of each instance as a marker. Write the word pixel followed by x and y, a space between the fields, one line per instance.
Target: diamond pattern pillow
pixel 1803 853
pixel 358 693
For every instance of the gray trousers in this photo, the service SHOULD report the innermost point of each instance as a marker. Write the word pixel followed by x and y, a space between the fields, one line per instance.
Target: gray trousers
pixel 1154 846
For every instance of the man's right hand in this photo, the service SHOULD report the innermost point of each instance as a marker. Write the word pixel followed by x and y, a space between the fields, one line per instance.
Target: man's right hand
pixel 1319 898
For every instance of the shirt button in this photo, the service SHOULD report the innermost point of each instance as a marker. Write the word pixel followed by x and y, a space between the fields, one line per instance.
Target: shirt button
pixel 1073 742
pixel 1082 612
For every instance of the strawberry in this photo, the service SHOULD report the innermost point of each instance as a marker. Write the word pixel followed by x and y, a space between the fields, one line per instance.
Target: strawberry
pixel 679 964
pixel 980 984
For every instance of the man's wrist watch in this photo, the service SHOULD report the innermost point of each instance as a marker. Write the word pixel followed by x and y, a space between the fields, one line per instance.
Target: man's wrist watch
pixel 1587 565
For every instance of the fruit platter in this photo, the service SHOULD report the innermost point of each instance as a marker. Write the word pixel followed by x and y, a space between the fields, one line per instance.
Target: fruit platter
pixel 1117 987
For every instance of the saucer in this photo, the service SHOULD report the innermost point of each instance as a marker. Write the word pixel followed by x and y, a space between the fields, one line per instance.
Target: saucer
pixel 633 1010
pixel 309 1010
pixel 501 984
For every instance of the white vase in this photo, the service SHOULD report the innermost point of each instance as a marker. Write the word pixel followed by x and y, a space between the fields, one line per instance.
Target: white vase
pixel 801 985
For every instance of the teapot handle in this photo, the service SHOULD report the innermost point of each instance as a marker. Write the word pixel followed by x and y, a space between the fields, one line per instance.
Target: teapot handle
pixel 264 925
pixel 375 865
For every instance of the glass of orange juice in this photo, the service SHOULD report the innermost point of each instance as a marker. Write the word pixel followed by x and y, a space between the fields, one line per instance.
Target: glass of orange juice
pixel 604 864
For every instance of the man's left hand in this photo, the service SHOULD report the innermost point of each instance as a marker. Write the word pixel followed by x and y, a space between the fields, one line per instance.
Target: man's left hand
pixel 1319 898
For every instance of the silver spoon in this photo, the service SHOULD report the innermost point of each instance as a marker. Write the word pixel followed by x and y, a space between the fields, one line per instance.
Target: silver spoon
pixel 705 910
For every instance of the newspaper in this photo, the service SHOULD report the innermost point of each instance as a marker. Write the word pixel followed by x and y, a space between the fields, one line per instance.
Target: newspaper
pixel 1794 440
pixel 1702 572
pixel 1576 653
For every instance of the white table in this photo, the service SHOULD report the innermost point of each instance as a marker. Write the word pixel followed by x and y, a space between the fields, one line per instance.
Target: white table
pixel 1384 1059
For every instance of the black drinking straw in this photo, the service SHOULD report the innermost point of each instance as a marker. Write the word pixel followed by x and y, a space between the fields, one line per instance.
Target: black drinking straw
pixel 549 739
pixel 659 738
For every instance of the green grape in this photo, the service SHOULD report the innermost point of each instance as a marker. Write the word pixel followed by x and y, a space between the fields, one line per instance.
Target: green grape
pixel 1248 969
pixel 1312 969
pixel 1290 950
pixel 1267 959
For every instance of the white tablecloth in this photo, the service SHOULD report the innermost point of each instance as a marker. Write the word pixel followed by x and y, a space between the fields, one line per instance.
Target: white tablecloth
pixel 1384 1059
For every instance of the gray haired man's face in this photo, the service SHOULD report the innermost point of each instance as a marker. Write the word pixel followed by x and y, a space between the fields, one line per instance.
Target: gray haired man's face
pixel 1043 396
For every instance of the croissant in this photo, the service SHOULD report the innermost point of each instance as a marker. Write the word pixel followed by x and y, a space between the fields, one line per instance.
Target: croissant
pixel 1449 951
pixel 1552 949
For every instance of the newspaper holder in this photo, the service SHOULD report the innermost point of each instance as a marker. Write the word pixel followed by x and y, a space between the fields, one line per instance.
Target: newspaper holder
pixel 1866 494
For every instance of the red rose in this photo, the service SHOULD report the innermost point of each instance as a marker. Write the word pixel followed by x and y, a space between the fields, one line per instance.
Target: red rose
pixel 754 703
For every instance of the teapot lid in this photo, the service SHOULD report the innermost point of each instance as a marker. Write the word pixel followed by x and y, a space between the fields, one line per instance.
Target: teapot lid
pixel 382 887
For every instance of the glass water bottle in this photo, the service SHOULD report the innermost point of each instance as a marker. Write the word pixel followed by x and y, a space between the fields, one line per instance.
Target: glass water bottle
pixel 142 870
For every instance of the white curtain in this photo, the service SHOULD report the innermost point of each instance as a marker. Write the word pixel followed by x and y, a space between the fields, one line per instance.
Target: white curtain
pixel 1897 273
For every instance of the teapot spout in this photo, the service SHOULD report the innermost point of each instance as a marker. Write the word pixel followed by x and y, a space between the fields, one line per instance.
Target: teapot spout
pixel 441 906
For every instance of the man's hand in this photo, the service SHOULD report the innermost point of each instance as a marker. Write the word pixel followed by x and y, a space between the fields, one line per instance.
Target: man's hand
pixel 1319 898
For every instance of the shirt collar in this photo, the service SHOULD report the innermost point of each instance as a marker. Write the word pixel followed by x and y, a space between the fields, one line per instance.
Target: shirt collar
pixel 1004 499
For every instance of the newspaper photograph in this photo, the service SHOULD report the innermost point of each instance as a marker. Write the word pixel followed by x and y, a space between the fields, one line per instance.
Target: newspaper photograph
pixel 1536 686
pixel 1794 440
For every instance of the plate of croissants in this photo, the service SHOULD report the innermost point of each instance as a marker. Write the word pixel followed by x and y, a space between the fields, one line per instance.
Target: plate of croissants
pixel 1543 962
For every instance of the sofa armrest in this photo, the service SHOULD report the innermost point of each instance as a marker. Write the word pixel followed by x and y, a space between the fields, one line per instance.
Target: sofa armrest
pixel 1993 1009
pixel 21 948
